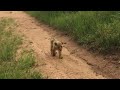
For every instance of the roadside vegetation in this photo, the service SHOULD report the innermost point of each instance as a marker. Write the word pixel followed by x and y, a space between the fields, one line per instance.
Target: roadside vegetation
pixel 12 67
pixel 97 30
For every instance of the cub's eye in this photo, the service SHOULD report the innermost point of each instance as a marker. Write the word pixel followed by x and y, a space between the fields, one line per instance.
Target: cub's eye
pixel 56 44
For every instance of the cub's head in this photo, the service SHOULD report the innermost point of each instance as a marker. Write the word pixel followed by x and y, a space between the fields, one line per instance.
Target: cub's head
pixel 59 44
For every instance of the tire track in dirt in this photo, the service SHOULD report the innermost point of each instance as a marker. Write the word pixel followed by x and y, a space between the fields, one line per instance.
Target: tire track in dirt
pixel 70 67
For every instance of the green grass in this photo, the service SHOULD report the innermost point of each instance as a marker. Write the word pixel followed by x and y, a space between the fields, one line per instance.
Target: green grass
pixel 10 66
pixel 20 69
pixel 98 30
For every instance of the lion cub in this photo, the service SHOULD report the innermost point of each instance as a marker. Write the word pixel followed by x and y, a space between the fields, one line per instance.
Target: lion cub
pixel 56 46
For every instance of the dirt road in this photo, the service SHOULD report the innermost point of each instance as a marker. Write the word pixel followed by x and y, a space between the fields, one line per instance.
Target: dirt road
pixel 77 62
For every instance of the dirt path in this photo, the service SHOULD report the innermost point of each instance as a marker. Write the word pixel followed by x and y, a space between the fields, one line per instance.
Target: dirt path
pixel 77 62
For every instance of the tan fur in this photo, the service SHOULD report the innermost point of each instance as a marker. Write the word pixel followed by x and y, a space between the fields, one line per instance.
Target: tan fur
pixel 56 46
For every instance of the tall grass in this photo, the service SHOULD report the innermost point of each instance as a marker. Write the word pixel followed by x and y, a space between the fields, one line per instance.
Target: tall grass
pixel 99 30
pixel 10 66
pixel 20 69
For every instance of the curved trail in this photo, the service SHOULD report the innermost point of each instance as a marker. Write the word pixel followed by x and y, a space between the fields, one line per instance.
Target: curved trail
pixel 72 66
